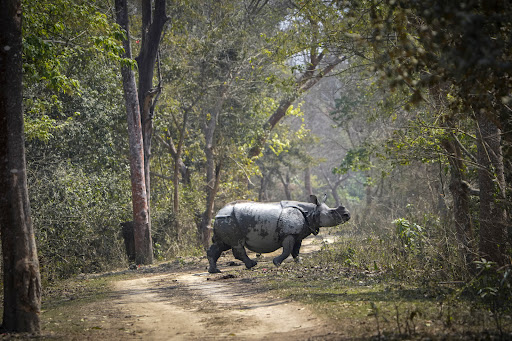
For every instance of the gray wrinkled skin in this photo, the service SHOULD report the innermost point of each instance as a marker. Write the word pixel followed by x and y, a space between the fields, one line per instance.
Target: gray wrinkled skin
pixel 265 227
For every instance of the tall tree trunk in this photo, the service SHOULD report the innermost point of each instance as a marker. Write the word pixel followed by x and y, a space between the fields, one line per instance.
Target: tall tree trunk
pixel 493 216
pixel 142 230
pixel 153 22
pixel 461 198
pixel 213 179
pixel 458 186
pixel 212 170
pixel 178 164
pixel 22 281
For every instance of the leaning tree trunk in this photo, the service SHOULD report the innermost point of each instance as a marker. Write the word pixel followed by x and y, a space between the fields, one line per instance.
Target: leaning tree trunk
pixel 493 216
pixel 142 230
pixel 22 282
pixel 213 179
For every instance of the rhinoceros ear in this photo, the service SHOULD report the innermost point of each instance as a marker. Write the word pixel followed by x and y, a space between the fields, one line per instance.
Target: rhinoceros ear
pixel 313 199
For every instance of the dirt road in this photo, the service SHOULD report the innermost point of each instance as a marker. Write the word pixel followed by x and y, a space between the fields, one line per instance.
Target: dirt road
pixel 195 305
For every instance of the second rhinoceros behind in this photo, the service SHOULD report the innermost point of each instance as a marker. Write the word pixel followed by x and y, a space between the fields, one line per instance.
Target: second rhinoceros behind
pixel 265 227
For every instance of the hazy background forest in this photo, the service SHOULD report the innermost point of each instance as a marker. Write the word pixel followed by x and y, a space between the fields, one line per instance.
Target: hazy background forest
pixel 398 110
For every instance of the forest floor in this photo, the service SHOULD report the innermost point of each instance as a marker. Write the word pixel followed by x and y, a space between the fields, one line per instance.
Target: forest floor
pixel 179 300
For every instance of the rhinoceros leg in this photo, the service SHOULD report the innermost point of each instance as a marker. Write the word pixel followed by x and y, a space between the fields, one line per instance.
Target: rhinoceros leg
pixel 213 255
pixel 288 243
pixel 296 250
pixel 240 254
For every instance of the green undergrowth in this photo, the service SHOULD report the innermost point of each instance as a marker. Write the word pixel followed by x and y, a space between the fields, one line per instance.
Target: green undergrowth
pixel 372 302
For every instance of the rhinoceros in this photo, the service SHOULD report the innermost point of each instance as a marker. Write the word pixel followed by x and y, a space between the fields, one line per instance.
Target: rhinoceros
pixel 265 227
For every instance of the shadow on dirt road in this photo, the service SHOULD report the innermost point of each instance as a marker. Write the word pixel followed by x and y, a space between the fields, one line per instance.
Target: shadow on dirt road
pixel 195 305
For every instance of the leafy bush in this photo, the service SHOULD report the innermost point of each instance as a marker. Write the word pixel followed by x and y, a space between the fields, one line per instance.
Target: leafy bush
pixel 76 218
pixel 410 234
pixel 492 289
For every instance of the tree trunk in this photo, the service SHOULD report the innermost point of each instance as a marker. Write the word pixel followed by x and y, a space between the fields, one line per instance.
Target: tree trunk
pixel 493 217
pixel 153 23
pixel 211 192
pixel 286 184
pixel 176 175
pixel 265 178
pixel 212 170
pixel 142 230
pixel 334 187
pixel 461 199
pixel 22 281
pixel 307 182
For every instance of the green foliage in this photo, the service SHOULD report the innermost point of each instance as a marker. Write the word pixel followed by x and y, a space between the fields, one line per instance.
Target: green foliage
pixel 60 39
pixel 493 289
pixel 78 178
pixel 411 235
pixel 281 140
pixel 356 160
pixel 342 255
pixel 56 33
pixel 76 223
pixel 284 158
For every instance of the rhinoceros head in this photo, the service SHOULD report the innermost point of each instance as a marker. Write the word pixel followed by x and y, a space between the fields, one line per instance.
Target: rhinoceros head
pixel 323 216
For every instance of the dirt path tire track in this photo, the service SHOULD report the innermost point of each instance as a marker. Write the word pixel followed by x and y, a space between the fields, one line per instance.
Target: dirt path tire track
pixel 199 306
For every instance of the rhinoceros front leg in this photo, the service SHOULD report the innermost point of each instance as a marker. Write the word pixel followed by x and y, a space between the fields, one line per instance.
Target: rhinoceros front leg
pixel 240 254
pixel 296 250
pixel 288 243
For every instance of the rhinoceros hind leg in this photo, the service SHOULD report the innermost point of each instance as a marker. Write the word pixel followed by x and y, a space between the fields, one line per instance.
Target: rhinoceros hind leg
pixel 240 254
pixel 213 255
pixel 296 250
pixel 288 243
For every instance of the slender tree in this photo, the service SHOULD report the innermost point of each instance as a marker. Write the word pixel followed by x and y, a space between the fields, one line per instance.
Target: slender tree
pixel 153 23
pixel 142 229
pixel 22 282
pixel 213 168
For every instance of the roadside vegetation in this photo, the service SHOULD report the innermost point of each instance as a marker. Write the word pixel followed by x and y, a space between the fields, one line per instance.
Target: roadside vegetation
pixel 374 295
pixel 349 282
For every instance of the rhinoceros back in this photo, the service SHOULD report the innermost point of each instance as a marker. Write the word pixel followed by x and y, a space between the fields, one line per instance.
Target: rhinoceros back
pixel 257 224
